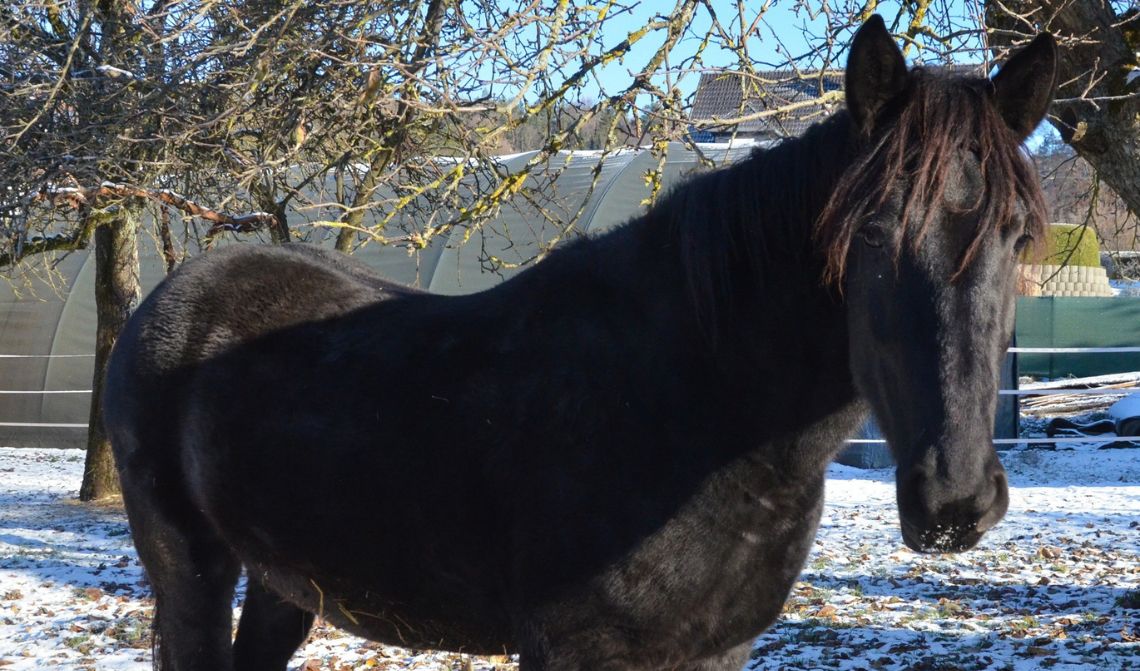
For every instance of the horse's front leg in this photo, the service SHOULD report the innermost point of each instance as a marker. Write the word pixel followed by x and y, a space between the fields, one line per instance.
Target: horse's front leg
pixel 586 660
pixel 570 641
pixel 567 641
pixel 570 660
pixel 733 660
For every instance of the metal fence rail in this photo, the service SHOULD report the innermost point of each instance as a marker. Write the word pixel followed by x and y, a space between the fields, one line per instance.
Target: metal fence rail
pixel 1017 441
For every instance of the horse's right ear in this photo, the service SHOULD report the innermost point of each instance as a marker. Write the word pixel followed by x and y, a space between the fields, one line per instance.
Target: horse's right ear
pixel 876 72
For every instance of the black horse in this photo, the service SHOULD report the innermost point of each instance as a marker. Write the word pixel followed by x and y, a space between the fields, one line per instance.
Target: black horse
pixel 615 460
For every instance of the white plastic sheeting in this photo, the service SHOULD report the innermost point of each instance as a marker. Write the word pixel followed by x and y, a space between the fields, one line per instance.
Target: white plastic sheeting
pixel 56 322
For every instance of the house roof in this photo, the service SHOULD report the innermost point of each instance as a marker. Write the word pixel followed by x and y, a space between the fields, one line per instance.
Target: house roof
pixel 719 96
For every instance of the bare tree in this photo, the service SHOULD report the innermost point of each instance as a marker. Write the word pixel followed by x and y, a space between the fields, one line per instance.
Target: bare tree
pixel 1098 108
pixel 73 74
pixel 234 116
pixel 1076 194
pixel 384 121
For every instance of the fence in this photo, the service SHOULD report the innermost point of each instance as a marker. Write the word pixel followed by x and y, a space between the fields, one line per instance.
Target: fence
pixel 872 452
pixel 1060 331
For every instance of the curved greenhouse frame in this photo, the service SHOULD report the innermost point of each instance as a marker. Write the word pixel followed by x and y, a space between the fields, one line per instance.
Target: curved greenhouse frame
pixel 47 329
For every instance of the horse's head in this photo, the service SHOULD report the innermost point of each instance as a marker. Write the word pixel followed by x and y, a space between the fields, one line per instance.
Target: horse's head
pixel 924 231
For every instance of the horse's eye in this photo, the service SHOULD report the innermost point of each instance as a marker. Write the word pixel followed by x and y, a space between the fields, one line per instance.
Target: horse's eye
pixel 1022 242
pixel 873 235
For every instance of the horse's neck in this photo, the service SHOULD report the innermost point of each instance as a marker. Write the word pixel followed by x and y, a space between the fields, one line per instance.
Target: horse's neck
pixel 782 348
pixel 793 357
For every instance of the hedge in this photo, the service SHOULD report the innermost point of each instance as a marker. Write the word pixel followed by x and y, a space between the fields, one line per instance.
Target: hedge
pixel 1065 244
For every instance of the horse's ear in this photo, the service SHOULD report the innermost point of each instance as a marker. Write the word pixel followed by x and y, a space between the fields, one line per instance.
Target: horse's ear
pixel 1025 85
pixel 876 72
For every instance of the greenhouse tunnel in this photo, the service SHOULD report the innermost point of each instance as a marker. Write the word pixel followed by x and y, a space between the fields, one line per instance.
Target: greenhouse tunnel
pixel 47 324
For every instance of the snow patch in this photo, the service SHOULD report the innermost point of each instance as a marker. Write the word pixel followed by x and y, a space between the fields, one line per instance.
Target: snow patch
pixel 1054 586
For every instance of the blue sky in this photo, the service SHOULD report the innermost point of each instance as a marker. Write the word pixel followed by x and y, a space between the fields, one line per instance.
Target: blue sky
pixel 781 17
pixel 781 35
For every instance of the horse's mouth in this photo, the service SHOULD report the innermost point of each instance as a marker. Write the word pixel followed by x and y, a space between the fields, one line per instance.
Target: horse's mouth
pixel 953 526
pixel 942 539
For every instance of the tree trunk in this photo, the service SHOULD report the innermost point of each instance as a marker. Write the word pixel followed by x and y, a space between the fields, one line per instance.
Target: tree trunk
pixel 1097 112
pixel 116 296
pixel 365 188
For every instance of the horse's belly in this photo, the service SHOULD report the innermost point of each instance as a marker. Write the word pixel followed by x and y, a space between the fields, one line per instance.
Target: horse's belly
pixel 368 559
pixel 387 618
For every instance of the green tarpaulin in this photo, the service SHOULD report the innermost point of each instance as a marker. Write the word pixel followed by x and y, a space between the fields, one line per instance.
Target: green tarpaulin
pixel 1047 321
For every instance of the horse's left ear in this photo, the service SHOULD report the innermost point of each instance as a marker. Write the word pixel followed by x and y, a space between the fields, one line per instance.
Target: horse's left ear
pixel 1024 87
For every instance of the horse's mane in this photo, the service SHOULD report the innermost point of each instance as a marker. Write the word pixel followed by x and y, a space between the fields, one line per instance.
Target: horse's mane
pixel 937 118
pixel 733 224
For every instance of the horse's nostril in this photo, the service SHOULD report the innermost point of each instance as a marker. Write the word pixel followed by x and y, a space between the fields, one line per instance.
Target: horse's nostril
pixel 996 505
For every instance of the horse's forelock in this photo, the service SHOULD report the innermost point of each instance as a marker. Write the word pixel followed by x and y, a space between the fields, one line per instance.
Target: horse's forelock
pixel 939 117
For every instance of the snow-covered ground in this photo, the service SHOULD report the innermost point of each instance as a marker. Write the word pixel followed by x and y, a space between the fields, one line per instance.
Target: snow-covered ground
pixel 1055 586
pixel 1124 287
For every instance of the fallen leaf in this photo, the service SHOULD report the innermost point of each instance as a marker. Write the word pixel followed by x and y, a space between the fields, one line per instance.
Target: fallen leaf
pixel 826 611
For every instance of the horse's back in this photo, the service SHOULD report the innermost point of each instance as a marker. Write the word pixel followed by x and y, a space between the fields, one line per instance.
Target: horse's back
pixel 238 293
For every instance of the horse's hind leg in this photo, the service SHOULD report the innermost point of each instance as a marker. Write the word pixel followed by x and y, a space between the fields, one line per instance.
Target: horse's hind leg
pixel 269 632
pixel 192 573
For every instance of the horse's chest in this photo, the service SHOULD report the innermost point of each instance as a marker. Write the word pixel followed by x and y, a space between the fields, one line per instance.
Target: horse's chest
pixel 720 572
pixel 753 555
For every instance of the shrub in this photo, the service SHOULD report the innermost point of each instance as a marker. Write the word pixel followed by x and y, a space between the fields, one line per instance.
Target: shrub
pixel 1065 244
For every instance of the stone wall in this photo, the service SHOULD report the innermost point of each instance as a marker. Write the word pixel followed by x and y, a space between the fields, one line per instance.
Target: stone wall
pixel 1052 280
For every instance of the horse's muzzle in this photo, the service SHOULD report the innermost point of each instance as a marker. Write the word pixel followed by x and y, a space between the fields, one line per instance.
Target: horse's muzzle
pixel 943 516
